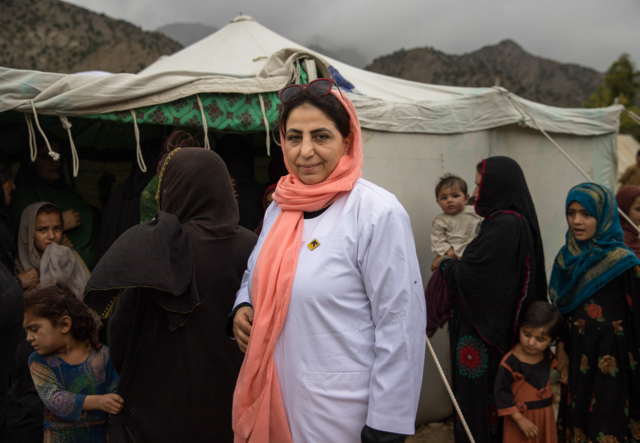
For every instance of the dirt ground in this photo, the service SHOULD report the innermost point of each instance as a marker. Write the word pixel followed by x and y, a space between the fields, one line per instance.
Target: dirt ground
pixel 443 432
pixel 433 433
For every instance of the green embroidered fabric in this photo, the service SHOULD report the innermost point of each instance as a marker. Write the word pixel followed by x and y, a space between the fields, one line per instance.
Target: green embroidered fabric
pixel 224 112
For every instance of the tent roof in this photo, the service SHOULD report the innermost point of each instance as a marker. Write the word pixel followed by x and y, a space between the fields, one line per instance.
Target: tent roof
pixel 246 57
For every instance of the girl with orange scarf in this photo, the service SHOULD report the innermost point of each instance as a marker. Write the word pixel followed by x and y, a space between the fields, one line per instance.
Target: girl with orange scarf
pixel 330 311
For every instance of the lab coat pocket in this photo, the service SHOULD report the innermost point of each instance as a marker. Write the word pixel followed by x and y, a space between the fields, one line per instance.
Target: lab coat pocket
pixel 333 404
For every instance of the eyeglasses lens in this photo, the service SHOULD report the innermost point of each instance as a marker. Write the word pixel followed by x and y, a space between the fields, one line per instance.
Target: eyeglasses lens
pixel 288 93
pixel 320 87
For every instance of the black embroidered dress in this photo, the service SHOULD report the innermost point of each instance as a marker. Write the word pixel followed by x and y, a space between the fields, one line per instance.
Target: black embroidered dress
pixel 601 337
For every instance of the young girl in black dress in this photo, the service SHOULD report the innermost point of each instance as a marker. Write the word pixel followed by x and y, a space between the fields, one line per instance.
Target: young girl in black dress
pixel 523 388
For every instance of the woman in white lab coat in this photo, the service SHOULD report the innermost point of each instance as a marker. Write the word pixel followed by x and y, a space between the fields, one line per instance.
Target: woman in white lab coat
pixel 331 311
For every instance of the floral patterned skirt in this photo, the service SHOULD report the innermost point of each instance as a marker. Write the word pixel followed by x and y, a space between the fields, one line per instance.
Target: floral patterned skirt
pixel 600 402
pixel 474 365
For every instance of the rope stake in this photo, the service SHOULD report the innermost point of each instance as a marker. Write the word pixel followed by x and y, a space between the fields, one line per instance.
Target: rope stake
pixel 453 397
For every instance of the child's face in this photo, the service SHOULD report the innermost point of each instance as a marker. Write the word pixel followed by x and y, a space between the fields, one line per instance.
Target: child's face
pixel 48 230
pixel 452 200
pixel 43 336
pixel 583 224
pixel 534 340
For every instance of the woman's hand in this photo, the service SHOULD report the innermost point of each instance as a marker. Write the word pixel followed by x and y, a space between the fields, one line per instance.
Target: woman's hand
pixel 64 241
pixel 242 326
pixel 29 279
pixel 436 263
pixel 71 219
pixel 526 426
pixel 452 254
pixel 563 363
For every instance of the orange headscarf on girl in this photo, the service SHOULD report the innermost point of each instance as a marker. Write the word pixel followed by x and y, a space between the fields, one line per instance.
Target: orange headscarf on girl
pixel 258 409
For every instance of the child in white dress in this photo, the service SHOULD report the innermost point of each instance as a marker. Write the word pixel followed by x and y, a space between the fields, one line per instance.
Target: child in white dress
pixel 458 224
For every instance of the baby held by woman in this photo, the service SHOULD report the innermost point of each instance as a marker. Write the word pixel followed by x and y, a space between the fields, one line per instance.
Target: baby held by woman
pixel 452 231
pixel 458 224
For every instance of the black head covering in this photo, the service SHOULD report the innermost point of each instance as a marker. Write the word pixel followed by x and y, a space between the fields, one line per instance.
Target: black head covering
pixel 205 207
pixel 156 254
pixel 122 211
pixel 8 250
pixel 199 364
pixel 504 188
pixel 502 270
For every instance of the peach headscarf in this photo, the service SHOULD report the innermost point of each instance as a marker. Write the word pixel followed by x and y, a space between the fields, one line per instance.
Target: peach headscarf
pixel 258 410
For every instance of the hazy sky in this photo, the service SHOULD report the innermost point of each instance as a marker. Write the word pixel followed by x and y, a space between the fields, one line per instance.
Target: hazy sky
pixel 592 33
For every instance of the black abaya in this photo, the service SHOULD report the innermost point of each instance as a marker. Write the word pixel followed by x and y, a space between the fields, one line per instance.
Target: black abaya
pixel 177 385
pixel 11 332
pixel 500 274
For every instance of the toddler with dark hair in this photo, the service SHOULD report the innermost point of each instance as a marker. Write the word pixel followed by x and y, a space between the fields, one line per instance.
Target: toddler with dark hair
pixel 458 224
pixel 452 231
pixel 71 370
pixel 523 387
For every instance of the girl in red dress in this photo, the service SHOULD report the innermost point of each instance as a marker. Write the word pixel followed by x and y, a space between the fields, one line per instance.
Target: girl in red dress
pixel 523 389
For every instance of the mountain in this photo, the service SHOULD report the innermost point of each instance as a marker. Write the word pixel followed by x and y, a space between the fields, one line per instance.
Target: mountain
pixel 54 36
pixel 531 77
pixel 187 33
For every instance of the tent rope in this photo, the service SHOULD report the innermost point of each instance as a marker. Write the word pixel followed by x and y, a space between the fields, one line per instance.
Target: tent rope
pixel 204 124
pixel 273 135
pixel 266 124
pixel 74 153
pixel 53 154
pixel 33 152
pixel 139 158
pixel 453 397
pixel 633 116
pixel 524 112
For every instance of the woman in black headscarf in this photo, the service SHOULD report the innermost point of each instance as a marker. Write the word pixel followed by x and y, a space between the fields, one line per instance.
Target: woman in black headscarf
pixel 181 272
pixel 123 208
pixel 501 273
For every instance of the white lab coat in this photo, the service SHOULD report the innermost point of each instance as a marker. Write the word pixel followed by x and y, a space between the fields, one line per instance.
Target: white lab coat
pixel 351 350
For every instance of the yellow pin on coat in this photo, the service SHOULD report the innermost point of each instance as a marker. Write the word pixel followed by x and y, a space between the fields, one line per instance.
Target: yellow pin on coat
pixel 314 244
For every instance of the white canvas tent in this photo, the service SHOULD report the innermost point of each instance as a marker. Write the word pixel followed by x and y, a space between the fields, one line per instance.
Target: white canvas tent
pixel 412 132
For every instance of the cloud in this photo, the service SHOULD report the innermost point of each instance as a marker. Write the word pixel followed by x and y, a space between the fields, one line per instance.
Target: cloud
pixel 587 32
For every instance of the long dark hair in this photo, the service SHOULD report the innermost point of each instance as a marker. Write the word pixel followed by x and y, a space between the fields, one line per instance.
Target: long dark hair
pixel 542 314
pixel 54 302
pixel 329 105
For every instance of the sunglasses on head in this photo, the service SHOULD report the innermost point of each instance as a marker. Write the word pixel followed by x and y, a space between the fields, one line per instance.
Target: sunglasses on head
pixel 318 88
